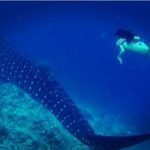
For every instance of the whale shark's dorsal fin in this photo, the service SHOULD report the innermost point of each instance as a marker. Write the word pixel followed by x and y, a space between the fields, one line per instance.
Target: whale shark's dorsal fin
pixel 45 66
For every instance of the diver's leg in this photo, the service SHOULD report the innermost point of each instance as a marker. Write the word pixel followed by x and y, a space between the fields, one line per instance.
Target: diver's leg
pixel 122 50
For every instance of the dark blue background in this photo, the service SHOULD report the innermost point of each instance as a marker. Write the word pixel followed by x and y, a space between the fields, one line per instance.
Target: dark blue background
pixel 77 39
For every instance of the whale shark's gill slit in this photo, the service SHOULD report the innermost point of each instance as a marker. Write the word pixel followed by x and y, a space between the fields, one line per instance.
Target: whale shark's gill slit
pixel 38 83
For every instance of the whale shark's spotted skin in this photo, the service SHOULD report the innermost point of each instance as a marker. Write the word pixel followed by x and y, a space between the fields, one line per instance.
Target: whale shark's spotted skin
pixel 37 82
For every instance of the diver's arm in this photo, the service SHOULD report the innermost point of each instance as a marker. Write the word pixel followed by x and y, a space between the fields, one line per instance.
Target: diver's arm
pixel 122 50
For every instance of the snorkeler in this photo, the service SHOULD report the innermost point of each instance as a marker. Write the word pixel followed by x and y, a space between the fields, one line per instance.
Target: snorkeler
pixel 126 40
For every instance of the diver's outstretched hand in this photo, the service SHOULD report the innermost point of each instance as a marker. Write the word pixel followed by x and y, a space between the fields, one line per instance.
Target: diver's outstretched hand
pixel 120 60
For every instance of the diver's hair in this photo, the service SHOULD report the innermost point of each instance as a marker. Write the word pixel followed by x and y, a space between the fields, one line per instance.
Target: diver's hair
pixel 122 33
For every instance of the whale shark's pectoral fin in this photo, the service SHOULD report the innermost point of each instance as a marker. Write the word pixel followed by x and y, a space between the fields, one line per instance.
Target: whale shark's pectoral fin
pixel 117 142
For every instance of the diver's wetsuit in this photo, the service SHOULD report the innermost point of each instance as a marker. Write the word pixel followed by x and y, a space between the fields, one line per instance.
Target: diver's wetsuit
pixel 126 40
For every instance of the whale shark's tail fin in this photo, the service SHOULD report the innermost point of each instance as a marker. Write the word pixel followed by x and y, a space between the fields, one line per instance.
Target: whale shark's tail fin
pixel 117 142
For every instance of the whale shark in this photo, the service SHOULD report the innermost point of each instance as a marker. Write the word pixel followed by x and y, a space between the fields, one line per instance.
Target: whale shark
pixel 37 81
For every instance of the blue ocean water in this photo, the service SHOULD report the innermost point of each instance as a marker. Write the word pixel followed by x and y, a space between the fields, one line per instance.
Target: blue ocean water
pixel 77 40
